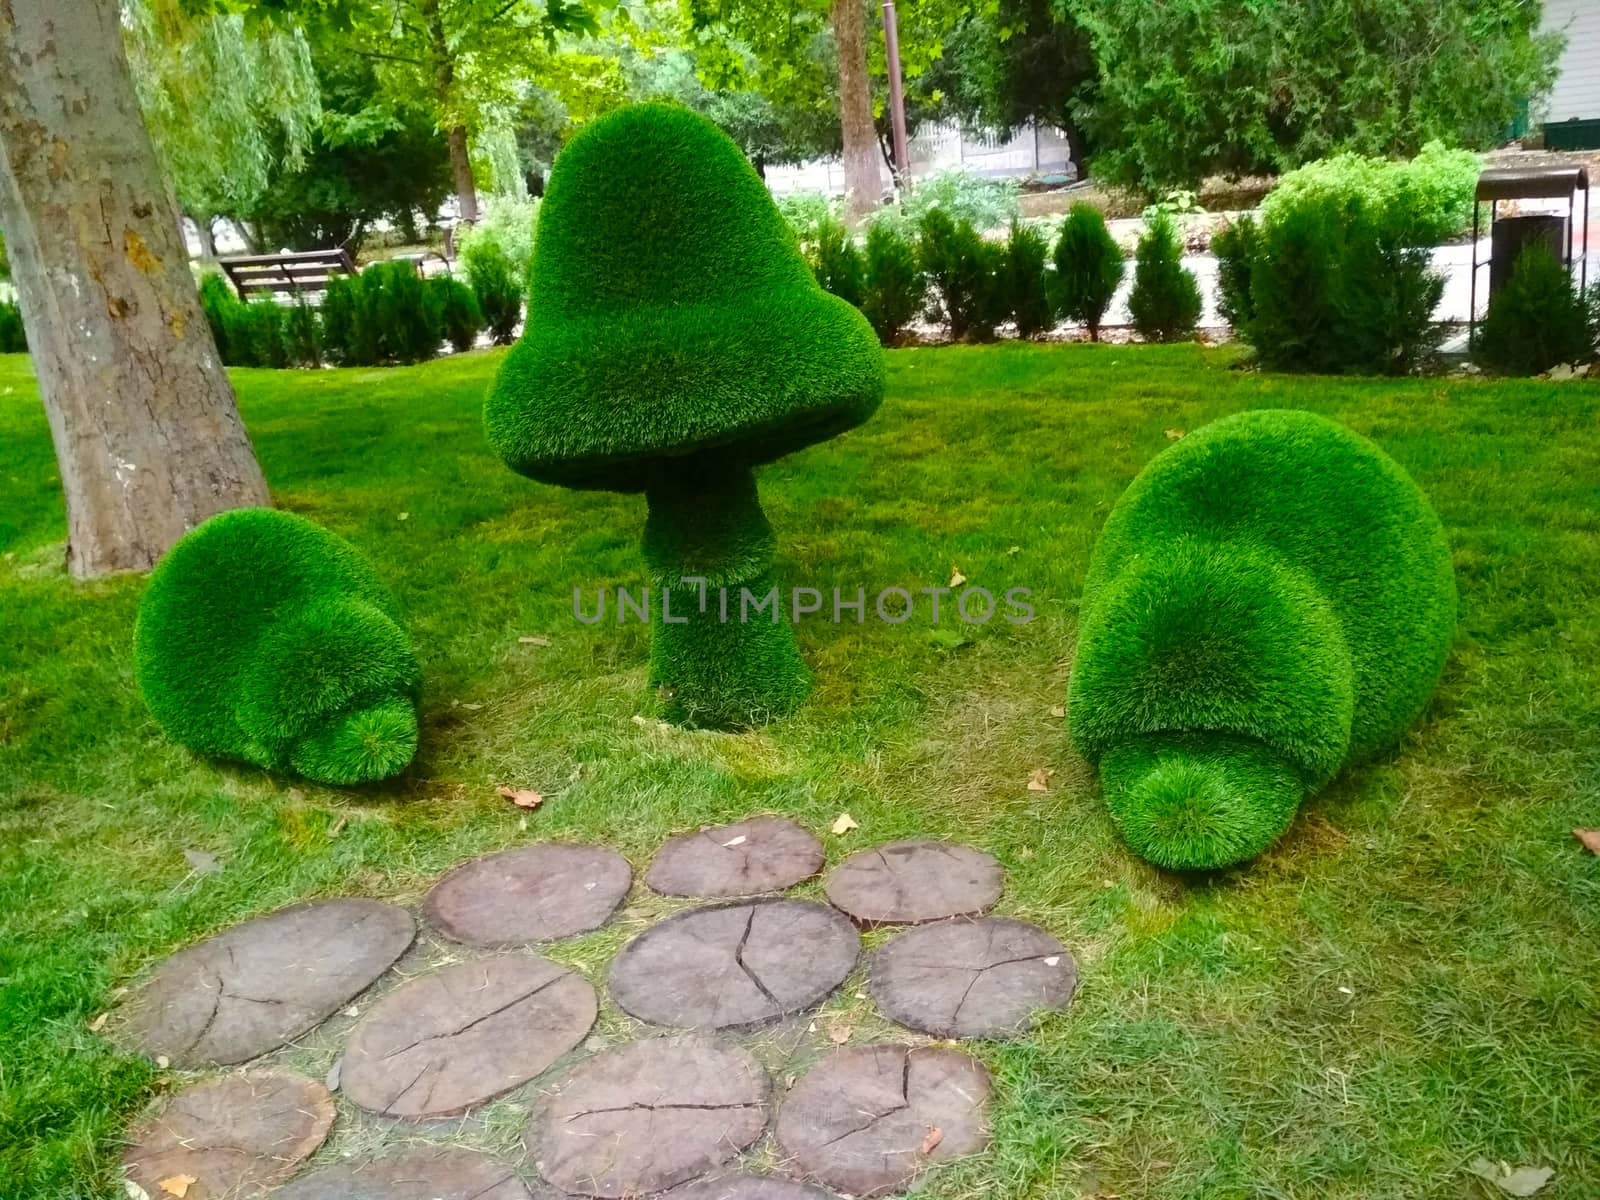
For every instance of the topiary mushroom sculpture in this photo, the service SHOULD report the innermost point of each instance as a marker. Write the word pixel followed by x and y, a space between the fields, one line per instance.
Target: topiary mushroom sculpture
pixel 265 638
pixel 1270 601
pixel 675 341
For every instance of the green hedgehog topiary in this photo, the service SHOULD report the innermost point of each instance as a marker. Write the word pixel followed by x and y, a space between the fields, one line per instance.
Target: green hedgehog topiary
pixel 1270 601
pixel 264 637
pixel 676 340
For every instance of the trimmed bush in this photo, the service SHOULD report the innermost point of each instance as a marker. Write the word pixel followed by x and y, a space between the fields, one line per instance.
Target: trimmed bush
pixel 13 338
pixel 966 277
pixel 838 265
pixel 1427 199
pixel 302 336
pixel 1236 246
pixel 264 638
pixel 1026 284
pixel 681 340
pixel 895 290
pixel 459 315
pixel 1270 601
pixel 340 302
pixel 217 301
pixel 498 288
pixel 1537 319
pixel 1165 301
pixel 1089 268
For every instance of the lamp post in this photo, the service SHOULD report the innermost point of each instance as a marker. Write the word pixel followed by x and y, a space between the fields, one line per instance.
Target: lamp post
pixel 897 98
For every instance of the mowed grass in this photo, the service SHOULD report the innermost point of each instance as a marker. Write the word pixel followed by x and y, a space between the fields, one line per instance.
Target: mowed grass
pixel 1406 983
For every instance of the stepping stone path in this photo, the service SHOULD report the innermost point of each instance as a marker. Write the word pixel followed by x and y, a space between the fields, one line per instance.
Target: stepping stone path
pixel 232 1137
pixel 665 1112
pixel 649 1116
pixel 531 894
pixel 984 978
pixel 414 1175
pixel 730 965
pixel 763 854
pixel 868 1120
pixel 907 883
pixel 265 982
pixel 455 1038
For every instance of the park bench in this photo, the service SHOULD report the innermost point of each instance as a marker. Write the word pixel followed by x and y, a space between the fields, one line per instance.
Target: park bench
pixel 300 273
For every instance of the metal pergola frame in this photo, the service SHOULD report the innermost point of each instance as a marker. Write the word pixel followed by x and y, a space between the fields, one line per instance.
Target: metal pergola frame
pixel 1555 181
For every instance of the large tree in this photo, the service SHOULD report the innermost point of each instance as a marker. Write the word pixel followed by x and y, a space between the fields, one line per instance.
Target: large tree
pixel 1191 88
pixel 146 430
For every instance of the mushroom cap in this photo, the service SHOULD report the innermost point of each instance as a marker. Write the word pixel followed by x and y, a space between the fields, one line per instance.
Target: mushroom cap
pixel 671 313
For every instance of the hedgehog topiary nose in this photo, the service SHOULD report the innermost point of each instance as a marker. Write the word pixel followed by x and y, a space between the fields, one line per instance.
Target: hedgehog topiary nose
pixel 360 746
pixel 1190 805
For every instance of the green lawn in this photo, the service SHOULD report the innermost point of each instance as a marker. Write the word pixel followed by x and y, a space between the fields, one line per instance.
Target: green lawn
pixel 1407 982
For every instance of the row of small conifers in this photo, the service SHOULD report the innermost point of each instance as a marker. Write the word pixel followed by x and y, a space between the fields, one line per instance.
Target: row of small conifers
pixel 1270 601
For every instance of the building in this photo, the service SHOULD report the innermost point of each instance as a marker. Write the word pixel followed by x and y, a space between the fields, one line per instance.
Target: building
pixel 1572 116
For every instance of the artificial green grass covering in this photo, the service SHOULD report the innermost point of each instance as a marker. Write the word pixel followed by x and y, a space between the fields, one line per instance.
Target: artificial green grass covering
pixel 670 312
pixel 1270 601
pixel 264 637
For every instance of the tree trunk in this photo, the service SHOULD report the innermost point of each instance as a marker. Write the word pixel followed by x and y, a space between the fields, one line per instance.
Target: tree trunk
pixel 206 232
pixel 444 88
pixel 461 169
pixel 863 184
pixel 147 435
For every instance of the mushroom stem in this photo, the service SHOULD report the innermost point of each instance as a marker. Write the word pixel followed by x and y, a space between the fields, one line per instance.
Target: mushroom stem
pixel 719 660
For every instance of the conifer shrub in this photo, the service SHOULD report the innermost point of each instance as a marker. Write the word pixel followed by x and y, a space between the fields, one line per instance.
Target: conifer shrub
pixel 1270 601
pixel 1537 319
pixel 264 638
pixel 498 287
pixel 217 302
pixel 1236 246
pixel 965 275
pixel 895 291
pixel 459 315
pixel 1165 302
pixel 339 316
pixel 1027 285
pixel 1089 268
pixel 838 265
pixel 408 325
pixel 302 335
pixel 677 339
pixel 13 338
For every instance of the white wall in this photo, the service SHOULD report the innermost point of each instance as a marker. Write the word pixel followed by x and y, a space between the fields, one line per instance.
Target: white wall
pixel 1577 89
pixel 1032 151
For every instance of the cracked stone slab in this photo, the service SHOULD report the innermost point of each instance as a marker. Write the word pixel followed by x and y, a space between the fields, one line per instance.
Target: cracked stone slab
pixel 236 1136
pixel 869 1120
pixel 907 883
pixel 266 982
pixel 455 1038
pixel 724 966
pixel 748 1187
pixel 529 894
pixel 763 854
pixel 411 1175
pixel 983 978
pixel 648 1116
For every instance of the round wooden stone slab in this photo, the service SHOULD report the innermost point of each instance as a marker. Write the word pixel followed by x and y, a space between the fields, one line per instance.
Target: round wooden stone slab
pixel 530 894
pixel 730 965
pixel 983 978
pixel 455 1038
pixel 907 883
pixel 763 854
pixel 648 1116
pixel 230 1138
pixel 411 1175
pixel 868 1120
pixel 263 983
pixel 749 1187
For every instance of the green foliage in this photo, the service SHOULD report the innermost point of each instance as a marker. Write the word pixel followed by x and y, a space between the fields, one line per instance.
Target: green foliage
pixel 1424 200
pixel 5 258
pixel 508 222
pixel 1089 268
pixel 254 334
pixel 403 310
pixel 1027 285
pixel 677 339
pixel 340 318
pixel 1236 246
pixel 302 335
pixel 217 301
pixel 965 198
pixel 1270 601
pixel 838 265
pixel 459 315
pixel 965 274
pixel 1165 301
pixel 265 638
pixel 1537 319
pixel 13 338
pixel 895 290
pixel 1194 88
pixel 806 213
pixel 498 288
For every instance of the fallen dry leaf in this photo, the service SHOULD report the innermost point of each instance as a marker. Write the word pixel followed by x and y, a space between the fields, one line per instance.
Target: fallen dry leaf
pixel 1039 781
pixel 1174 434
pixel 956 577
pixel 521 797
pixel 337 827
pixel 1518 1181
pixel 931 1142
pixel 177 1185
pixel 738 841
pixel 99 1023
pixel 534 641
pixel 840 1033
pixel 163 1061
pixel 843 824
pixel 1058 710
pixel 1590 839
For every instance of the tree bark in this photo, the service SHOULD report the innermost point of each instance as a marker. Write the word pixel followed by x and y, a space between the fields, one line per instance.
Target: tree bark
pixel 147 434
pixel 444 86
pixel 863 184
pixel 461 169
